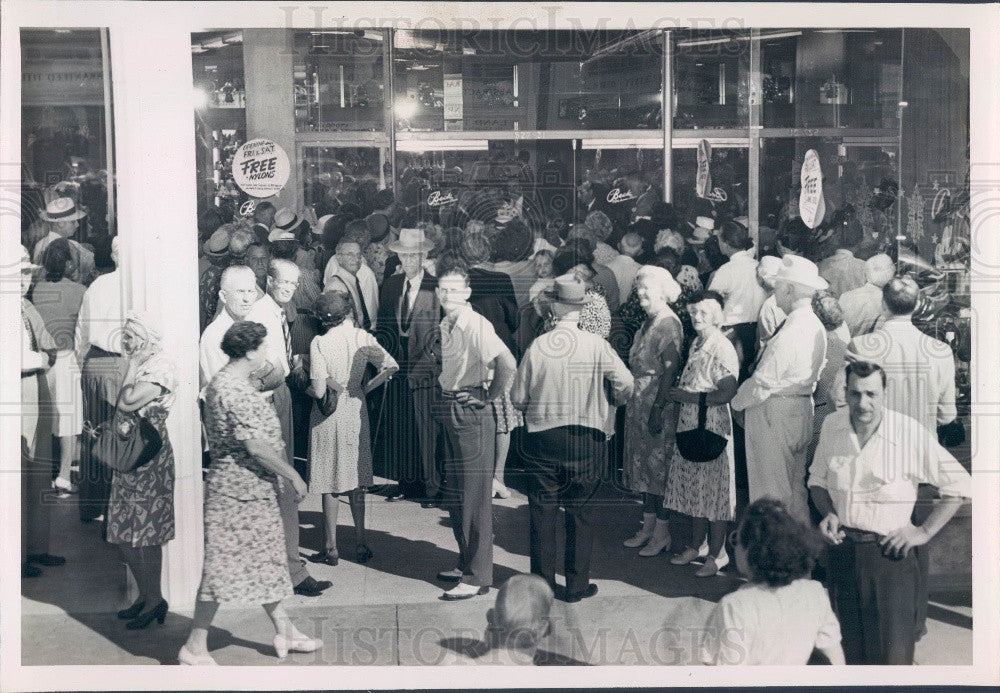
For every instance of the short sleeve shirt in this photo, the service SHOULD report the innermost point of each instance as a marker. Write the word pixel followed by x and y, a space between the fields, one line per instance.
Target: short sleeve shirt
pixel 468 346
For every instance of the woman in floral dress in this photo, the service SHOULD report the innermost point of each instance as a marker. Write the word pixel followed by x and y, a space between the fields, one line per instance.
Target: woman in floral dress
pixel 141 506
pixel 706 491
pixel 245 560
pixel 649 417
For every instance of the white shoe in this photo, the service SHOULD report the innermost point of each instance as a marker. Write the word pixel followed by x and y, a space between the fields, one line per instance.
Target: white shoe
pixel 186 656
pixel 713 565
pixel 63 485
pixel 499 490
pixel 685 556
pixel 703 549
pixel 297 643
pixel 659 542
pixel 638 539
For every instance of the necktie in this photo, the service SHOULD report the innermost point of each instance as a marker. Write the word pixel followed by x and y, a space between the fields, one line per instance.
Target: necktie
pixel 760 354
pixel 365 318
pixel 30 331
pixel 288 336
pixel 404 309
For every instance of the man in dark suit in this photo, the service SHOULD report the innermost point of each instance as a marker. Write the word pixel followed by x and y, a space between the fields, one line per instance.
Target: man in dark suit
pixel 408 327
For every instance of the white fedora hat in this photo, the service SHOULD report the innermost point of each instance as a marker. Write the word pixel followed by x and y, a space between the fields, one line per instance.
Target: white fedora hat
pixel 286 220
pixel 799 270
pixel 411 241
pixel 62 209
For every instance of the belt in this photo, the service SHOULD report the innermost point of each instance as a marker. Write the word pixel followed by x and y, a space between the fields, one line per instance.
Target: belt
pixel 860 536
pixel 790 396
pixel 479 392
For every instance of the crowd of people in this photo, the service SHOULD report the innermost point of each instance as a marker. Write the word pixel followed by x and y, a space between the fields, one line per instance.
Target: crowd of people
pixel 733 382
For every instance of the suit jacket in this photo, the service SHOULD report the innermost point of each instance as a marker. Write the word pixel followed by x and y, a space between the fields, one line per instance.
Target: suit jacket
pixel 493 297
pixel 419 357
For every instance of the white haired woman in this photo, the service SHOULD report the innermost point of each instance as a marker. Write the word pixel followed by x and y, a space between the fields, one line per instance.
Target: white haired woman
pixel 650 417
pixel 141 506
pixel 705 491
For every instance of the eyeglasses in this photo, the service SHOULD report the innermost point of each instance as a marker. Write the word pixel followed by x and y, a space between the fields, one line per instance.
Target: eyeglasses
pixel 286 283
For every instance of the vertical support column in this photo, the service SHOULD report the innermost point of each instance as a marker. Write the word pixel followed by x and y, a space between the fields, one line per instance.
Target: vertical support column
pixel 667 116
pixel 753 155
pixel 267 69
pixel 389 99
pixel 157 222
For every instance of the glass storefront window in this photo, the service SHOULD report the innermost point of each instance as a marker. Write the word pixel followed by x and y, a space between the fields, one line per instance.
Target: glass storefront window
pixel 711 79
pixel 603 165
pixel 338 80
pixel 220 115
pixel 821 78
pixel 728 167
pixel 65 147
pixel 329 172
pixel 527 80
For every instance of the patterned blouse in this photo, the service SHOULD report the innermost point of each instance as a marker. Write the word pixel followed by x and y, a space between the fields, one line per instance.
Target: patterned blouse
pixel 234 413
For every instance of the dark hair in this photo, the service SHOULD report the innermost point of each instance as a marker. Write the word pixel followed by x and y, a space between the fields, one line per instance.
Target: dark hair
pixel 779 548
pixel 261 208
pixel 332 308
pixel 707 295
pixel 242 338
pixel 736 235
pixel 350 210
pixel 56 256
pixel 383 199
pixel 668 259
pixel 209 221
pixel 862 369
pixel 283 250
pixel 357 231
pixel 901 295
pixel 452 263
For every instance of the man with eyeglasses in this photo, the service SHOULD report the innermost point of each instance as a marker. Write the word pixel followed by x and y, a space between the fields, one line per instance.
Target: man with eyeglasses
pixel 347 278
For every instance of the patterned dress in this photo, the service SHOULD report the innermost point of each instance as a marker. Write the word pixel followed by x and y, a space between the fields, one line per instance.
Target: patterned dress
pixel 245 559
pixel 141 507
pixel 340 456
pixel 647 457
pixel 705 489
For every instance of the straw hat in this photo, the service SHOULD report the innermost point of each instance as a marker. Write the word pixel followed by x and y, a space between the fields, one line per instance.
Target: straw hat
pixel 569 290
pixel 411 241
pixel 799 270
pixel 286 220
pixel 62 209
pixel 217 244
pixel 277 234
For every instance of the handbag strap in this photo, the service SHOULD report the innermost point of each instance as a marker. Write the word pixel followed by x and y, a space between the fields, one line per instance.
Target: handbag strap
pixel 702 410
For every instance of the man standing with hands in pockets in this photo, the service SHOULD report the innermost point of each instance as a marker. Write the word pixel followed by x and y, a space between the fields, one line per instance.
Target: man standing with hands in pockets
pixel 476 368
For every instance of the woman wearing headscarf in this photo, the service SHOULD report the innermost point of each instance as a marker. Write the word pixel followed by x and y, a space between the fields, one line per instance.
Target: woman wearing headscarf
pixel 340 456
pixel 245 557
pixel 649 416
pixel 141 506
pixel 705 491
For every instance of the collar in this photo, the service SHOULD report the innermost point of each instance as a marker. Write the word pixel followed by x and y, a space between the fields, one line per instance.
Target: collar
pixel 571 321
pixel 885 432
pixel 417 280
pixel 461 317
pixel 804 306
pixel 740 255
pixel 898 321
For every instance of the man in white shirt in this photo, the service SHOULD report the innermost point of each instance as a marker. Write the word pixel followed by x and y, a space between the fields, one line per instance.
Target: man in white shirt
pixel 237 295
pixel 624 265
pixel 777 397
pixel 863 306
pixel 737 282
pixel 476 368
pixel 347 278
pixel 771 316
pixel 863 481
pixel 63 218
pixel 99 352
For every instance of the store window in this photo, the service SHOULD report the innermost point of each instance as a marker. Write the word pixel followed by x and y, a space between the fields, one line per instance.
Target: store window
pixel 527 80
pixel 338 80
pixel 823 78
pixel 728 191
pixel 220 115
pixel 602 167
pixel 329 174
pixel 66 133
pixel 711 80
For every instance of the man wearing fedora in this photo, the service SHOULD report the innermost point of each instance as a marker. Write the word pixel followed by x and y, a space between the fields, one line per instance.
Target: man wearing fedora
pixel 408 328
pixel 216 251
pixel 563 386
pixel 777 397
pixel 63 216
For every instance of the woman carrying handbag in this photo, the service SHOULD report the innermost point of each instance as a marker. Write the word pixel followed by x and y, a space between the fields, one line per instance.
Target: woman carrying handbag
pixel 141 507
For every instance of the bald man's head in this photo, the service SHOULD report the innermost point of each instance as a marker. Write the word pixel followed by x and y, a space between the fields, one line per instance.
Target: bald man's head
pixel 238 290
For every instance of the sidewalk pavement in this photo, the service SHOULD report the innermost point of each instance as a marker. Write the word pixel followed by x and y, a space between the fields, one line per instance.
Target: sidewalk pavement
pixel 388 611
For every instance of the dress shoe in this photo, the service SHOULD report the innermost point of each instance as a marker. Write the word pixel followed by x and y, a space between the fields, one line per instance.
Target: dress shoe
pixel 464 591
pixel 158 614
pixel 297 643
pixel 326 557
pixel 713 565
pixel 659 542
pixel 589 592
pixel 311 587
pixel 132 611
pixel 46 559
pixel 643 535
pixel 430 504
pixel 453 575
pixel 186 656
pixel 685 557
pixel 30 571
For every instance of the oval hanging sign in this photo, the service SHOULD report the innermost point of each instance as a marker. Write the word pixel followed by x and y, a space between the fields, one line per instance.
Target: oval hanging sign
pixel 261 168
pixel 812 207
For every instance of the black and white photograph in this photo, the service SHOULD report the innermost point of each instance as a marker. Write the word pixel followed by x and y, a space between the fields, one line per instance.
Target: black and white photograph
pixel 362 340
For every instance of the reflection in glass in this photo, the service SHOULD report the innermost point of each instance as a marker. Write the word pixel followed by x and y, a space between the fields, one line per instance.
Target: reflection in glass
pixel 339 81
pixel 729 168
pixel 711 79
pixel 332 175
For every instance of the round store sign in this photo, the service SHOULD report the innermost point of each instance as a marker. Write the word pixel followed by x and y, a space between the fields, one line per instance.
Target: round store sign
pixel 261 168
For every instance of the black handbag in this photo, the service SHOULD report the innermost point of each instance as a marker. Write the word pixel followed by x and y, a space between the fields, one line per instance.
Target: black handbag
pixel 126 442
pixel 700 444
pixel 328 402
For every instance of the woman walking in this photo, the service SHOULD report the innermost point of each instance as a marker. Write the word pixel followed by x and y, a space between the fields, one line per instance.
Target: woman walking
pixel 650 417
pixel 245 559
pixel 340 444
pixel 141 506
pixel 706 491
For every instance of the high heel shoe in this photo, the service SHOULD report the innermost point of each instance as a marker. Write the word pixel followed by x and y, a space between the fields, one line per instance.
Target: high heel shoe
pixel 713 565
pixel 132 611
pixel 186 656
pixel 364 554
pixel 296 643
pixel 143 620
pixel 326 556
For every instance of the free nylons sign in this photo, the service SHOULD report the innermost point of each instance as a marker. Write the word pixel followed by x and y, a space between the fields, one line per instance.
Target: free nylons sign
pixel 261 168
